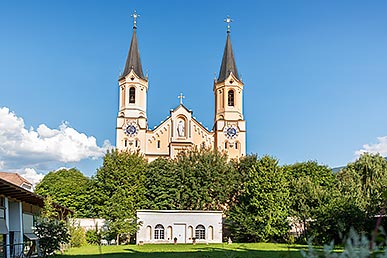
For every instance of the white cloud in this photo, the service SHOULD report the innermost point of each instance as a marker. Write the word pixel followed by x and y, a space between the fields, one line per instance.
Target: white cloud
pixel 32 176
pixel 380 147
pixel 36 149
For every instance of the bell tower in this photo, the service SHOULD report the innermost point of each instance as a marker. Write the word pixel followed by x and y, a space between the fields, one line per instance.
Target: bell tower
pixel 133 87
pixel 229 125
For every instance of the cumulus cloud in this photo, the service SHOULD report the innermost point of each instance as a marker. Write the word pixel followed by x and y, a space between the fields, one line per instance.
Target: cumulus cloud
pixel 379 147
pixel 22 148
pixel 31 175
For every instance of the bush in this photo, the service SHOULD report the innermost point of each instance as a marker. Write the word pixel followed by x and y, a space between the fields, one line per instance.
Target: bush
pixel 92 237
pixel 78 237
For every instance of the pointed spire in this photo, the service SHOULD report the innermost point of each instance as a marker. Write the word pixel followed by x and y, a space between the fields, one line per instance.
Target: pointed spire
pixel 133 61
pixel 228 62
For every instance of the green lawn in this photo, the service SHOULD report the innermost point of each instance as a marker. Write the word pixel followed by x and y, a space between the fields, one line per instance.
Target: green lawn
pixel 187 251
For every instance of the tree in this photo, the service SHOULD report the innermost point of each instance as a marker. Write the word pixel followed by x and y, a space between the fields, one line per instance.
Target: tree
pixel 121 191
pixel 196 179
pixel 365 180
pixel 358 198
pixel 261 210
pixel 52 233
pixel 161 185
pixel 310 187
pixel 68 187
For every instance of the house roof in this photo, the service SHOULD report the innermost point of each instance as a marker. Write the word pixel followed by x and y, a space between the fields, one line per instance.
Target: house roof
pixel 14 178
pixel 13 191
pixel 228 62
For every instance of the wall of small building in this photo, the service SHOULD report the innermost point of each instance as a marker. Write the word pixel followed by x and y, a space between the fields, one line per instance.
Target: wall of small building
pixel 204 226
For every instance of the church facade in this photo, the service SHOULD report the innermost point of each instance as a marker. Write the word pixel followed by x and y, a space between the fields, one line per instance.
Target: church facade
pixel 180 131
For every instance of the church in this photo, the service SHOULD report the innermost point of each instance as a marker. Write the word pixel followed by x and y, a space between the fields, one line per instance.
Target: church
pixel 180 131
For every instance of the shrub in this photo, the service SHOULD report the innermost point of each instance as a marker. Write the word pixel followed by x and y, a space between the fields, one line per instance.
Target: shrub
pixel 78 237
pixel 92 237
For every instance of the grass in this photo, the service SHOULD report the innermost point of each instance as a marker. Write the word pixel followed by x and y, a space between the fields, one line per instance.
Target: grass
pixel 254 250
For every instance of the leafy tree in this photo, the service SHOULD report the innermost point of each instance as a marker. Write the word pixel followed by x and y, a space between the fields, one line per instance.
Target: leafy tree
pixel 196 179
pixel 161 185
pixel 52 233
pixel 358 198
pixel 261 211
pixel 120 183
pixel 365 181
pixel 310 187
pixel 68 187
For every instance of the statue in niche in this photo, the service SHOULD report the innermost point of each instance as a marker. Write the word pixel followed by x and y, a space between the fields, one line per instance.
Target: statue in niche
pixel 180 128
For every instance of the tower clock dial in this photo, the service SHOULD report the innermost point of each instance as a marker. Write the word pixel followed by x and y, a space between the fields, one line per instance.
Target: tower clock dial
pixel 131 129
pixel 231 132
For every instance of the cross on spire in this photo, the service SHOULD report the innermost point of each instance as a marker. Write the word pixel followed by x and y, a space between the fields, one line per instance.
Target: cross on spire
pixel 228 20
pixel 135 16
pixel 181 97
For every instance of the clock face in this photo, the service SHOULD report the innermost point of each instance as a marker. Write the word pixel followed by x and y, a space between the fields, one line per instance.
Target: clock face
pixel 231 132
pixel 130 129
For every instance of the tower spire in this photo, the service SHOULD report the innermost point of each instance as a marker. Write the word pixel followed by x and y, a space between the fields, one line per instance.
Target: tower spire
pixel 133 61
pixel 228 62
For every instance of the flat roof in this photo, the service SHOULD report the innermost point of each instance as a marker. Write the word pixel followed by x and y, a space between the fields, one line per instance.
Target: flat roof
pixel 179 211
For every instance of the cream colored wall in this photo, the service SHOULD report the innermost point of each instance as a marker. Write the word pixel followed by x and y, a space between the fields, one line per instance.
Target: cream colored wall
pixel 222 110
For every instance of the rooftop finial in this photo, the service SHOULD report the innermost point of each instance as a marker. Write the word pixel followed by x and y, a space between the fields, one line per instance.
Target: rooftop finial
pixel 181 97
pixel 228 20
pixel 135 15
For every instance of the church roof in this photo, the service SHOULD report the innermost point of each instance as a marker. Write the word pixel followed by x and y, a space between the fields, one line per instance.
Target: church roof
pixel 228 62
pixel 133 61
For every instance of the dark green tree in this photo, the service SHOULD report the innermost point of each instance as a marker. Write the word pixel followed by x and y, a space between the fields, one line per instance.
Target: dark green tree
pixel 68 187
pixel 261 210
pixel 196 179
pixel 121 191
pixel 161 185
pixel 310 187
pixel 358 199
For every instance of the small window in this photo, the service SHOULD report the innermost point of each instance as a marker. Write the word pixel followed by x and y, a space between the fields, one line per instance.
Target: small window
pixel 203 146
pixel 236 145
pixel 136 143
pixel 132 95
pixel 159 232
pixel 200 232
pixel 231 98
pixel 126 143
pixel 158 144
pixel 225 145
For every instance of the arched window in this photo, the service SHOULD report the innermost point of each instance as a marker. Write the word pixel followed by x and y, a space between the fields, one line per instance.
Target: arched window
pixel 225 145
pixel 126 143
pixel 132 95
pixel 158 144
pixel 200 232
pixel 236 145
pixel 159 232
pixel 231 98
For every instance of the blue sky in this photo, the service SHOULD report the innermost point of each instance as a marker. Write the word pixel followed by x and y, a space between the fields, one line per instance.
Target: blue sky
pixel 315 74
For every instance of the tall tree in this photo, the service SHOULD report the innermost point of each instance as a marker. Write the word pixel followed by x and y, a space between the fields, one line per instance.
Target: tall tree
pixel 68 187
pixel 310 187
pixel 120 183
pixel 261 211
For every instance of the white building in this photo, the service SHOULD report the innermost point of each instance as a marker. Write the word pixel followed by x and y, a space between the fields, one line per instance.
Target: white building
pixel 162 226
pixel 19 208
